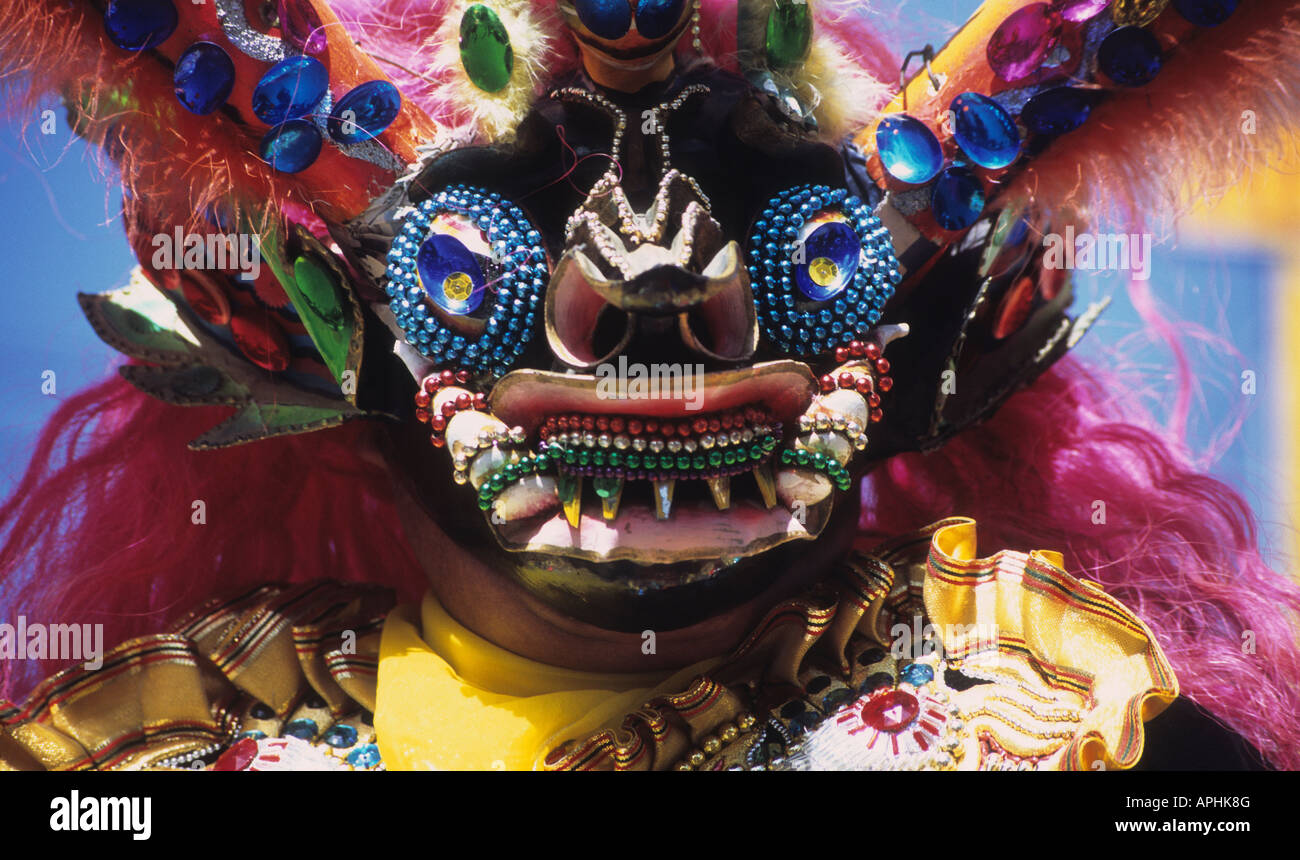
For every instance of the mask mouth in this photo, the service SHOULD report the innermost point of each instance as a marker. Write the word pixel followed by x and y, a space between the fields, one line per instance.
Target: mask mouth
pixel 659 465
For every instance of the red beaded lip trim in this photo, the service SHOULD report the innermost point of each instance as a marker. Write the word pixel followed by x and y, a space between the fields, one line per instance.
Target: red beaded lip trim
pixel 424 399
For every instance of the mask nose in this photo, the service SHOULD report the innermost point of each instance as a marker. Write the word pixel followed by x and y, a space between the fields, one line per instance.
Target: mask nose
pixel 662 283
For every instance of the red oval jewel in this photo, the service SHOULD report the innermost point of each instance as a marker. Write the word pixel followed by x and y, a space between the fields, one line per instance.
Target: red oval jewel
pixel 263 341
pixel 1021 42
pixel 205 298
pixel 891 712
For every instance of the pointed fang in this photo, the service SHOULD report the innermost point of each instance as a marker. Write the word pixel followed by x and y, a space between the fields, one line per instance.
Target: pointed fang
pixel 569 489
pixel 664 498
pixel 610 491
pixel 766 484
pixel 721 489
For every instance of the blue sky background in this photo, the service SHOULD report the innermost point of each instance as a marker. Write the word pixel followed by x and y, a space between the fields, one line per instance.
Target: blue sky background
pixel 63 235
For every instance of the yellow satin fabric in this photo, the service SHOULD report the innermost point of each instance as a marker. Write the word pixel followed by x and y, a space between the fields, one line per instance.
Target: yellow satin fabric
pixel 450 700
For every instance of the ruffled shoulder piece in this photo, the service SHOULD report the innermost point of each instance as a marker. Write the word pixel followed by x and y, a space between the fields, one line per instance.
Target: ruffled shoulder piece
pixel 917 655
pixel 277 677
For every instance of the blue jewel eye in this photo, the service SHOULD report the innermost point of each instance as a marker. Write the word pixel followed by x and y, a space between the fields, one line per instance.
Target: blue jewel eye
pixel 830 260
pixel 450 274
pixel 821 266
pixel 466 275
pixel 656 18
pixel 608 19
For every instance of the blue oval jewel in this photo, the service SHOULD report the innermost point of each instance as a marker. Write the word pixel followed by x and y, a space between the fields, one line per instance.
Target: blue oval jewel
pixel 1056 111
pixel 364 756
pixel 291 146
pixel 656 18
pixel 984 130
pixel 831 255
pixel 450 274
pixel 374 106
pixel 290 89
pixel 957 198
pixel 908 150
pixel 301 728
pixel 608 19
pixel 204 77
pixel 1206 13
pixel 137 25
pixel 916 674
pixel 1130 56
pixel 340 736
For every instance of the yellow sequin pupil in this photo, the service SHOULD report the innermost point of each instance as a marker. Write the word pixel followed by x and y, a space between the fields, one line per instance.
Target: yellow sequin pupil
pixel 457 286
pixel 823 271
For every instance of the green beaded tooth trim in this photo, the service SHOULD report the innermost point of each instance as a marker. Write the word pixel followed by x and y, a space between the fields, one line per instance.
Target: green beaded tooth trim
pixel 828 466
pixel 530 464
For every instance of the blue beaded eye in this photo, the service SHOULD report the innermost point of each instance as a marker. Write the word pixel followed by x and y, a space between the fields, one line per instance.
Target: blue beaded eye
pixel 821 266
pixel 608 19
pixel 466 277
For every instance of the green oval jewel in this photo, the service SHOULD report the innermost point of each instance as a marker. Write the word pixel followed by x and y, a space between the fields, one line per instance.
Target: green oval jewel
pixel 789 33
pixel 485 50
pixel 319 291
pixel 634 461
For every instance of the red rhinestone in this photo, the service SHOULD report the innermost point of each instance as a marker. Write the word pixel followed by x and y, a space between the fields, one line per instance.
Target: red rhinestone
pixel 885 383
pixel 876 415
pixel 602 424
pixel 634 427
pixel 714 425
pixel 726 421
pixel 238 757
pixel 882 365
pixel 874 399
pixel 449 408
pixel 438 423
pixel 462 376
pixel 261 339
pixel 668 428
pixel 863 385
pixel 652 427
pixel 846 380
pixel 422 415
pixel 891 712
pixel 464 401
pixel 431 384
pixel 544 432
pixel 588 423
pixel 857 348
pixel 872 350
pixel 683 429
pixel 700 425
pixel 616 425
pixel 841 354
pixel 562 423
pixel 438 441
pixel 480 401
pixel 447 377
pixel 828 383
pixel 422 399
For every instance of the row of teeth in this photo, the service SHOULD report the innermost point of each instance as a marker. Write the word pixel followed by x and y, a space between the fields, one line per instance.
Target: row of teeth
pixel 835 421
pixel 481 445
pixel 657 446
